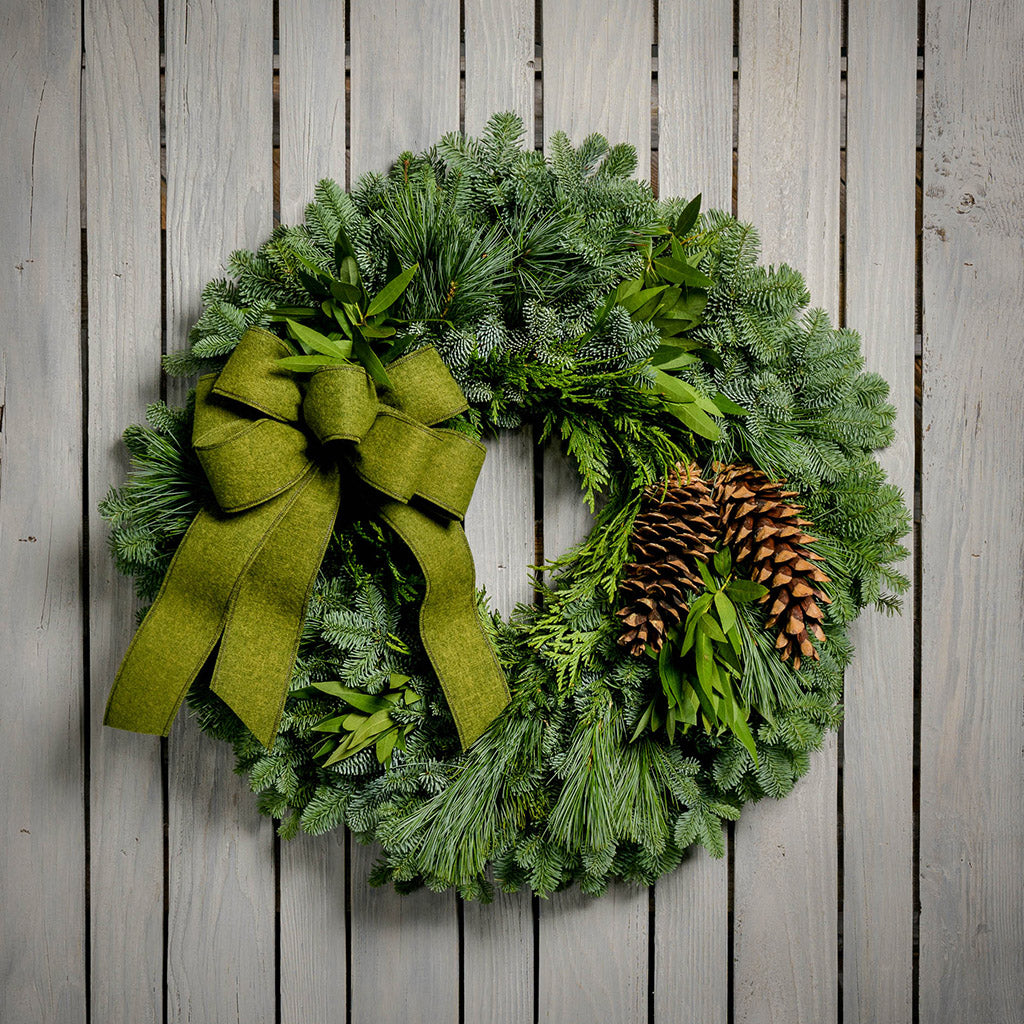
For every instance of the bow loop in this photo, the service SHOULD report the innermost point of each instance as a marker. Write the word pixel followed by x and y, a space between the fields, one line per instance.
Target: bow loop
pixel 406 460
pixel 396 449
pixel 423 388
pixel 247 460
pixel 252 376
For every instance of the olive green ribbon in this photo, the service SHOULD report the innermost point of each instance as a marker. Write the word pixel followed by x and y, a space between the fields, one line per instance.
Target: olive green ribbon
pixel 243 573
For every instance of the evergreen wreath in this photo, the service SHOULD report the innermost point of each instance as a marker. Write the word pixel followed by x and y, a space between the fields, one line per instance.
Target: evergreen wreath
pixel 686 656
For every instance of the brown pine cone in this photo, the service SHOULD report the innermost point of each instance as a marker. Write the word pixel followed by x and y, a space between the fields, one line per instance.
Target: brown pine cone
pixel 676 527
pixel 767 538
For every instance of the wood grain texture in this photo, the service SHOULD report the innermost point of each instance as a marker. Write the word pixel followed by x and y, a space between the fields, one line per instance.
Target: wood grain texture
pixel 405 95
pixel 42 853
pixel 695 110
pixel 695 94
pixel 312 948
pixel 405 78
pixel 593 957
pixel 498 968
pixel 691 941
pixel 313 881
pixel 972 643
pixel 597 72
pixel 221 948
pixel 878 749
pixel 785 909
pixel 126 863
pixel 405 951
pixel 312 100
pixel 593 953
pixel 499 61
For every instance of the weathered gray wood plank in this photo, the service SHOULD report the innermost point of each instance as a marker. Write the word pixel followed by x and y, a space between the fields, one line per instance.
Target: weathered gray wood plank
pixel 313 880
pixel 126 863
pixel 972 644
pixel 498 939
pixel 695 109
pixel 42 855
pixel 497 961
pixel 218 109
pixel 597 72
pixel 878 750
pixel 593 956
pixel 695 101
pixel 312 100
pixel 314 887
pixel 499 523
pixel 593 953
pixel 499 61
pixel 785 909
pixel 405 94
pixel 405 78
pixel 497 957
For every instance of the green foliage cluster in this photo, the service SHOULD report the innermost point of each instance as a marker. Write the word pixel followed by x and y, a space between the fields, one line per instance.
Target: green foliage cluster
pixel 699 668
pixel 383 720
pixel 358 324
pixel 528 272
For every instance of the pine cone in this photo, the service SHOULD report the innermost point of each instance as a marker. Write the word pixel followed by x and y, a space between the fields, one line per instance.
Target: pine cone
pixel 675 527
pixel 767 538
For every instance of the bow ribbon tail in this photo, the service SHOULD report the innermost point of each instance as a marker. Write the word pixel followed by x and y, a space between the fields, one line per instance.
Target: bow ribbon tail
pixel 264 620
pixel 243 580
pixel 453 637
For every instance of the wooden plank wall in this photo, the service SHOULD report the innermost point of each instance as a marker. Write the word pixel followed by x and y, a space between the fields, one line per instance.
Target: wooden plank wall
pixel 218 109
pixel 145 140
pixel 972 531
pixel 43 757
pixel 876 791
pixel 126 810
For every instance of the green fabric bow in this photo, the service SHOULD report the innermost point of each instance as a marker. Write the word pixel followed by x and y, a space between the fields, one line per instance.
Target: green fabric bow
pixel 243 574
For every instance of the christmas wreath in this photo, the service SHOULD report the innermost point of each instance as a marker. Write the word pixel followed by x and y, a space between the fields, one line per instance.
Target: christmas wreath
pixel 296 526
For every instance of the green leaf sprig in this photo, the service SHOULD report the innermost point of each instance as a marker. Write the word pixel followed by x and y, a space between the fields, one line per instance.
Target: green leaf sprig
pixel 371 723
pixel 694 409
pixel 701 662
pixel 671 294
pixel 358 320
